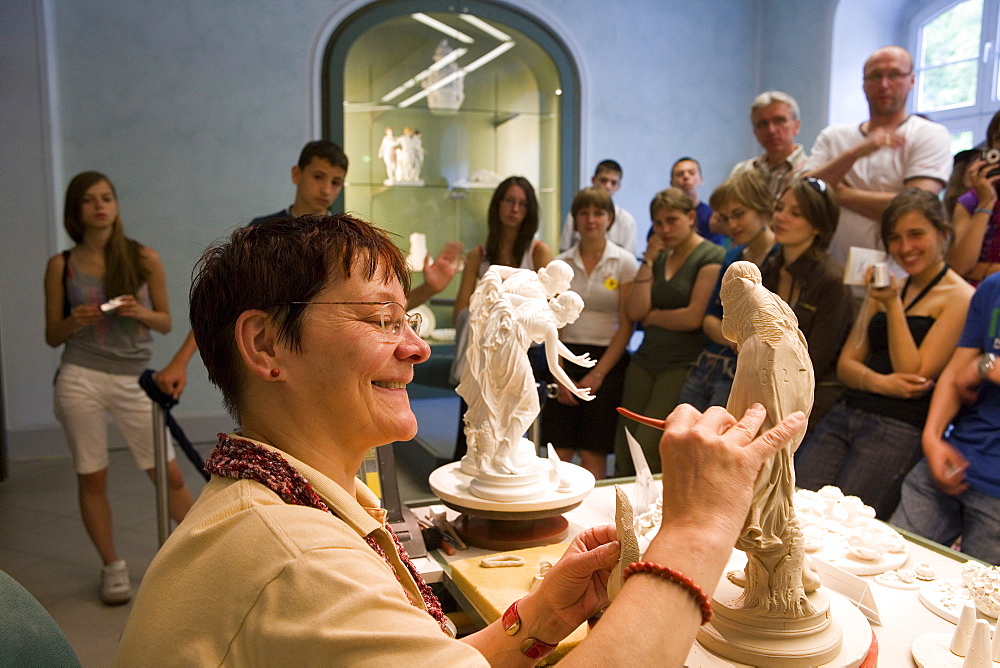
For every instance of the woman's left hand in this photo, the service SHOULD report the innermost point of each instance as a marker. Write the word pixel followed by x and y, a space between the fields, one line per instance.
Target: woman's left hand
pixel 131 308
pixel 904 385
pixel 565 397
pixel 576 587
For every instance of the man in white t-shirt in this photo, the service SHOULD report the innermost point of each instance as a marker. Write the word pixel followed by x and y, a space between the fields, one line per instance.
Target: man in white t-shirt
pixel 608 175
pixel 870 163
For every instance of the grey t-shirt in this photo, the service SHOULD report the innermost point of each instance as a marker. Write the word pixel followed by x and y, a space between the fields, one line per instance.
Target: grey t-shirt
pixel 116 344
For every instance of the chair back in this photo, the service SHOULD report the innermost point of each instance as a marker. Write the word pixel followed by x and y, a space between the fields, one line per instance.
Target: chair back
pixel 28 634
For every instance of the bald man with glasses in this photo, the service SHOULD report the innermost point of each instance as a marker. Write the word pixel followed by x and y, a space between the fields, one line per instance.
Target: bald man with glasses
pixel 868 164
pixel 774 117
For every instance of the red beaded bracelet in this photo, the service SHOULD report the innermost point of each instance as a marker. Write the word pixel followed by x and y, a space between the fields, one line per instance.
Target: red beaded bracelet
pixel 676 577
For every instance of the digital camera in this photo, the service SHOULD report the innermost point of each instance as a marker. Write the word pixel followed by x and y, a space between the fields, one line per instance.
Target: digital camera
pixel 991 156
pixel 880 275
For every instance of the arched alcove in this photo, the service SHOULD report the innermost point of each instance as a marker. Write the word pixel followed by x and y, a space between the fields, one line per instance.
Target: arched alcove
pixel 519 113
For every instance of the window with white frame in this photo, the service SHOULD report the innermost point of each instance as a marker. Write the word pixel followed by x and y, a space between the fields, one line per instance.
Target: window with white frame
pixel 956 66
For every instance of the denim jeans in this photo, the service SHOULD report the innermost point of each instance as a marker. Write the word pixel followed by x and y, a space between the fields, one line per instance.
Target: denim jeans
pixel 865 454
pixel 926 510
pixel 709 382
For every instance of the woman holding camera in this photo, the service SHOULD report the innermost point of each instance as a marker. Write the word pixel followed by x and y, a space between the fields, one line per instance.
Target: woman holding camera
pixel 975 253
pixel 107 346
pixel 901 341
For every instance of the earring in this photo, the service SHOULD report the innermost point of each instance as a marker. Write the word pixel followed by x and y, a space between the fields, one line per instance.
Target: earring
pixel 275 373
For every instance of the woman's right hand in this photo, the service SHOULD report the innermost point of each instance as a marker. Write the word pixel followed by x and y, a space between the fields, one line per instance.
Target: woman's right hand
pixel 86 315
pixel 654 247
pixel 565 397
pixel 711 460
pixel 884 296
pixel 984 184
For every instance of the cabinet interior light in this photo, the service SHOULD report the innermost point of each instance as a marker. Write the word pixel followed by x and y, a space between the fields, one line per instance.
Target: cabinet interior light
pixel 443 27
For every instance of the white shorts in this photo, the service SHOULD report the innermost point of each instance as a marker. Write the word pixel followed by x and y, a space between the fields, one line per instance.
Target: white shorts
pixel 84 398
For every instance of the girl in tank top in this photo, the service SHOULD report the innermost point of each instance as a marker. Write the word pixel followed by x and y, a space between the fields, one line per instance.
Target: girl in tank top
pixel 901 341
pixel 512 222
pixel 101 299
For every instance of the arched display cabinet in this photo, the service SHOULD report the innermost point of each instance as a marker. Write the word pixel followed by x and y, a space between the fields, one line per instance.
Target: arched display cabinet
pixel 518 115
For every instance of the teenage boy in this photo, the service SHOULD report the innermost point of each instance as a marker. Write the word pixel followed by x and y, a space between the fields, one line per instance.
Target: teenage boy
pixel 608 175
pixel 318 178
pixel 686 175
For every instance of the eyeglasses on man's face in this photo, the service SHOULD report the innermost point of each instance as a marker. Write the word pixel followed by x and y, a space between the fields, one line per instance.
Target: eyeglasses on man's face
pixel 894 76
pixel 514 203
pixel 390 317
pixel 779 122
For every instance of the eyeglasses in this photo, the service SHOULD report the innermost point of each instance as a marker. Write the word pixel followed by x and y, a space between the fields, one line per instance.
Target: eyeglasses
pixel 735 215
pixel 778 122
pixel 515 203
pixel 819 185
pixel 390 317
pixel 893 76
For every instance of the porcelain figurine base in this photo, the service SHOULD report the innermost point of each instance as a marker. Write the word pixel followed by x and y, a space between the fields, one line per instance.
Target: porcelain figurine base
pixel 506 535
pixel 510 487
pixel 838 636
pixel 511 525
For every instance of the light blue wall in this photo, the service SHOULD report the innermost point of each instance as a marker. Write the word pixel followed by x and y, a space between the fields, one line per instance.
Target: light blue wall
pixel 197 111
pixel 795 57
pixel 860 27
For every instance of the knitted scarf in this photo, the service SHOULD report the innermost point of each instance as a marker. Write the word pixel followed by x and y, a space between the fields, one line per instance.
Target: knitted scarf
pixel 245 460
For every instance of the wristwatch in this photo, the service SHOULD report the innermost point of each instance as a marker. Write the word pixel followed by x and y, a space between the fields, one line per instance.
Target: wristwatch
pixel 985 365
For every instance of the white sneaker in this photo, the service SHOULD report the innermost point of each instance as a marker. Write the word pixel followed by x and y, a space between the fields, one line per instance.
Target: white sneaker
pixel 115 586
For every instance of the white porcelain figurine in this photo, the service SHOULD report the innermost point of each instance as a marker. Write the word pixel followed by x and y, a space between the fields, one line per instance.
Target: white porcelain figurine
pixel 510 310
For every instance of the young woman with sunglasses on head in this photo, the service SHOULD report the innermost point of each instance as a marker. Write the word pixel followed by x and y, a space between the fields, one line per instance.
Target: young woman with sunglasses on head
pixel 805 276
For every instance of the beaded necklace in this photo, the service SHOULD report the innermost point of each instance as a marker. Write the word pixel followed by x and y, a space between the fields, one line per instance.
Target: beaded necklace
pixel 241 459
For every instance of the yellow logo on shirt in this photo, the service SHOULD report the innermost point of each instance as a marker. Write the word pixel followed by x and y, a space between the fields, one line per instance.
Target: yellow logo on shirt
pixel 611 283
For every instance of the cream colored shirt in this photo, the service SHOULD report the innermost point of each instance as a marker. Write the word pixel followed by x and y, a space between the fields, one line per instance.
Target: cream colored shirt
pixel 247 579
